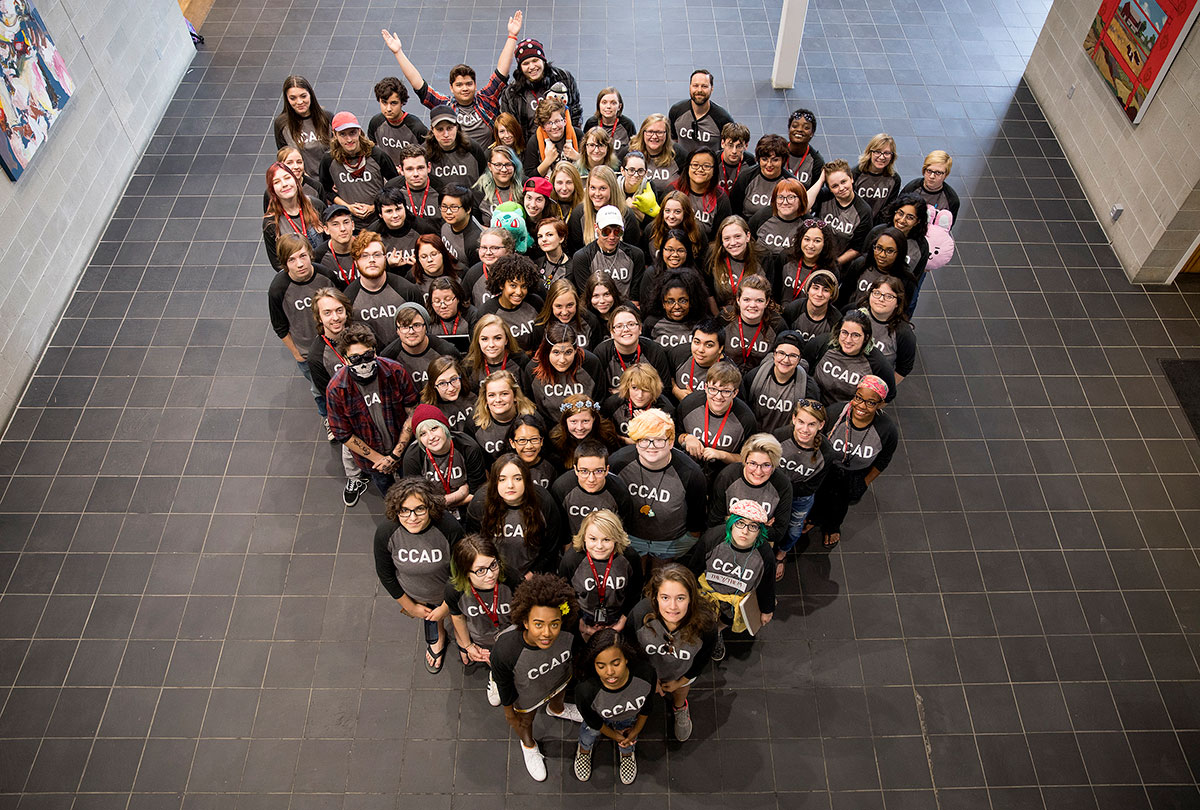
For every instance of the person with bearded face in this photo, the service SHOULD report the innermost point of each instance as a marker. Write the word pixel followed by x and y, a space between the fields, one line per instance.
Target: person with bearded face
pixel 369 400
pixel 696 121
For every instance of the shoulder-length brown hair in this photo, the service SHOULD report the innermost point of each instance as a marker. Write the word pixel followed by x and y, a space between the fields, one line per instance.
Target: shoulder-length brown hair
pixel 701 617
pixel 494 507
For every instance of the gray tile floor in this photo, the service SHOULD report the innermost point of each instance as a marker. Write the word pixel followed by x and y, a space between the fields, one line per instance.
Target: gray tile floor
pixel 190 617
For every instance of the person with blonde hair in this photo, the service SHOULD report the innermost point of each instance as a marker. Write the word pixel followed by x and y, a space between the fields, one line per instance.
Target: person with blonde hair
pixel 493 348
pixel 759 479
pixel 875 178
pixel 499 403
pixel 932 187
pixel 640 389
pixel 601 188
pixel 654 141
pixel 667 490
pixel 604 571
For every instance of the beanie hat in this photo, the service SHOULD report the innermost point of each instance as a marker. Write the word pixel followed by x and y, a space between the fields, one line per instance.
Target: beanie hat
pixel 530 49
pixel 425 413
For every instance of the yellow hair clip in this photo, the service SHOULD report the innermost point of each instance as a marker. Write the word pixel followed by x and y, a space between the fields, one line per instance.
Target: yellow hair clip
pixel 564 608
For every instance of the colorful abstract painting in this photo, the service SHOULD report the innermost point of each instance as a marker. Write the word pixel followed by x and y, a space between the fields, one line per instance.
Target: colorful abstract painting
pixel 34 84
pixel 1133 42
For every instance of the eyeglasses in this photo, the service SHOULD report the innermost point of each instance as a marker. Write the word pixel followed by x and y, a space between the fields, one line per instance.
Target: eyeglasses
pixel 887 153
pixel 788 198
pixel 677 302
pixel 747 525
pixel 501 165
pixel 790 356
pixel 593 145
pixel 450 383
pixel 935 172
pixel 450 209
pixel 882 296
pixel 599 472
pixel 374 254
pixel 415 326
pixel 656 444
pixel 759 465
pixel 635 172
pixel 416 511
pixel 859 398
pixel 656 133
pixel 624 327
pixel 885 251
pixel 722 392
pixel 484 570
pixel 490 248
pixel 904 216
pixel 530 442
pixel 846 333
pixel 674 251
pixel 701 168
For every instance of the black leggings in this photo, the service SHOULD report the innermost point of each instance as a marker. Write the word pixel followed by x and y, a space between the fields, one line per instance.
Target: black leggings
pixel 839 491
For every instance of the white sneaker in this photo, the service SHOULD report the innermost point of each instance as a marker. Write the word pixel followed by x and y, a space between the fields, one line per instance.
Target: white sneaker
pixel 569 712
pixel 493 691
pixel 535 763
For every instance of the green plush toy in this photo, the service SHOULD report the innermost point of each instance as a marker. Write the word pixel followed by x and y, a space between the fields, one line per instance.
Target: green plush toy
pixel 511 217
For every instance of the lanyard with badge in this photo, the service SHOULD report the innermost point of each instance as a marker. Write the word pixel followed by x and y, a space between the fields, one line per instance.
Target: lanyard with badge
pixel 601 613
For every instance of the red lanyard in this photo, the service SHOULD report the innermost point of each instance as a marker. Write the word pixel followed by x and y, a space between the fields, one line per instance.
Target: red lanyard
pixel 797 284
pixel 692 376
pixel 494 613
pixel 486 367
pixel 711 194
pixel 803 157
pixel 334 350
pixel 720 427
pixel 346 276
pixel 747 348
pixel 637 358
pixel 735 285
pixel 502 202
pixel 455 327
pixel 445 479
pixel 725 171
pixel 303 229
pixel 424 197
pixel 600 583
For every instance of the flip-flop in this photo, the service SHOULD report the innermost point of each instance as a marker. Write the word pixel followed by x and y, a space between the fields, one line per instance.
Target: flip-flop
pixel 831 546
pixel 439 658
pixel 780 569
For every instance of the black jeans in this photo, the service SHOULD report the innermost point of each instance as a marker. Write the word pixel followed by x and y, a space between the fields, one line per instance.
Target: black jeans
pixel 840 490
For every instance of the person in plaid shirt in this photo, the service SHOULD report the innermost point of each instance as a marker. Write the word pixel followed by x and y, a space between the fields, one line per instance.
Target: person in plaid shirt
pixel 369 400
pixel 475 110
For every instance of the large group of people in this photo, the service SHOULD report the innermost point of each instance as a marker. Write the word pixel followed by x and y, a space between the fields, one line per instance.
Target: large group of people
pixel 606 377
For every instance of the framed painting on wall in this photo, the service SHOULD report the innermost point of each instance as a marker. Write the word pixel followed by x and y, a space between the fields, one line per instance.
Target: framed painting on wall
pixel 1133 42
pixel 34 84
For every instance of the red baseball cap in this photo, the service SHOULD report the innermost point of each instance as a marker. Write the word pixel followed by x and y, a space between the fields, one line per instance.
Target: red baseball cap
pixel 345 120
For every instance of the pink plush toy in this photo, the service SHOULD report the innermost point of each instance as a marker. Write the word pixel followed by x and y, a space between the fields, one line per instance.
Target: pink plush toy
pixel 941 243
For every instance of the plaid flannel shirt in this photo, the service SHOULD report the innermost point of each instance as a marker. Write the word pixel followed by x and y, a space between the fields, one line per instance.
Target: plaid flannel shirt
pixel 349 415
pixel 487 100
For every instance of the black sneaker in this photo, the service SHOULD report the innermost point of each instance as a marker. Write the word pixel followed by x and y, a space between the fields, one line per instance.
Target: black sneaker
pixel 355 487
pixel 718 653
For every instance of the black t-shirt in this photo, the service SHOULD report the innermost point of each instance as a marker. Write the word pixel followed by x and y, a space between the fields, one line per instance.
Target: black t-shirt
pixel 849 223
pixel 519 553
pixel 578 503
pixel 691 133
pixel 289 303
pixel 859 449
pixel 877 190
pixel 772 401
pixel 527 676
pixel 773 235
pixel 621 575
pixel 622 412
pixel 806 466
pixel 378 309
pixel 613 363
pixel 391 138
pixel 751 193
pixel 671 655
pixel 774 496
pixel 664 503
pixel 464 247
pixel 418 364
pixel 797 315
pixel 746 345
pixel 806 167
pixel 624 265
pixel 549 395
pixel 602 706
pixel 416 564
pixel 458 166
pixel 461 464
pixel 735 571
pixel 837 374
pixel 359 181
pixel 725 432
pixel 486 612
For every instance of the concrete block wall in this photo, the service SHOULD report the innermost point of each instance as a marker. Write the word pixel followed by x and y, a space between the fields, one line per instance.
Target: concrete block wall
pixel 1153 169
pixel 126 58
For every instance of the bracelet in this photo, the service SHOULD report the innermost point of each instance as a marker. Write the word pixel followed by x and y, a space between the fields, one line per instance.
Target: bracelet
pixel 392 454
pixel 511 36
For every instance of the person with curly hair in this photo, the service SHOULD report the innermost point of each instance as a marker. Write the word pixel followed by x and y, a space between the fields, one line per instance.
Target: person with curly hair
pixel 605 599
pixel 521 517
pixel 560 369
pixel 480 603
pixel 588 485
pixel 513 284
pixel 579 420
pixel 553 138
pixel 613 696
pixel 675 627
pixel 412 558
pixel 531 660
pixel 676 302
pixel 732 560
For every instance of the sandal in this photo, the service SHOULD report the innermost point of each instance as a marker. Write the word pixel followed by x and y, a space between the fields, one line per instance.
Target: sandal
pixel 434 659
pixel 832 539
pixel 780 566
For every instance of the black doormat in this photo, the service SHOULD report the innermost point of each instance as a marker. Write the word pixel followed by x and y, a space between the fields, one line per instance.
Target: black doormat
pixel 1184 376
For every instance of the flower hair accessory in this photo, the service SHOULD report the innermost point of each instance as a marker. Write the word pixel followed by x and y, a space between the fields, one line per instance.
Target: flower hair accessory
pixel 564 608
pixel 579 407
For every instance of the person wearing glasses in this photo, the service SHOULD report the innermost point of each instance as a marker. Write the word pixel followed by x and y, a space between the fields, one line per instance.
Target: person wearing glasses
pixel 883 258
pixel 712 424
pixel 773 387
pixel 805 455
pixel 775 227
pixel 451 462
pixel 640 195
pixel 459 229
pixel 908 214
pixel 667 490
pixel 503 181
pixel 519 516
pixel 415 348
pixel 699 181
pixel 588 485
pixel 890 329
pixel 492 245
pixel 368 402
pixel 753 189
pixel 732 560
pixel 377 294
pixel 412 558
pixel 601 188
pixel 875 178
pixel 863 440
pixel 932 187
pixel 627 347
pixel 453 317
pixel 446 390
pixel 839 360
pixel 654 141
pixel 811 251
pixel 760 480
pixel 479 601
pixel 610 253
pixel 527 437
pixel 846 214
pixel 553 138
pixel 597 150
pixel 604 571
